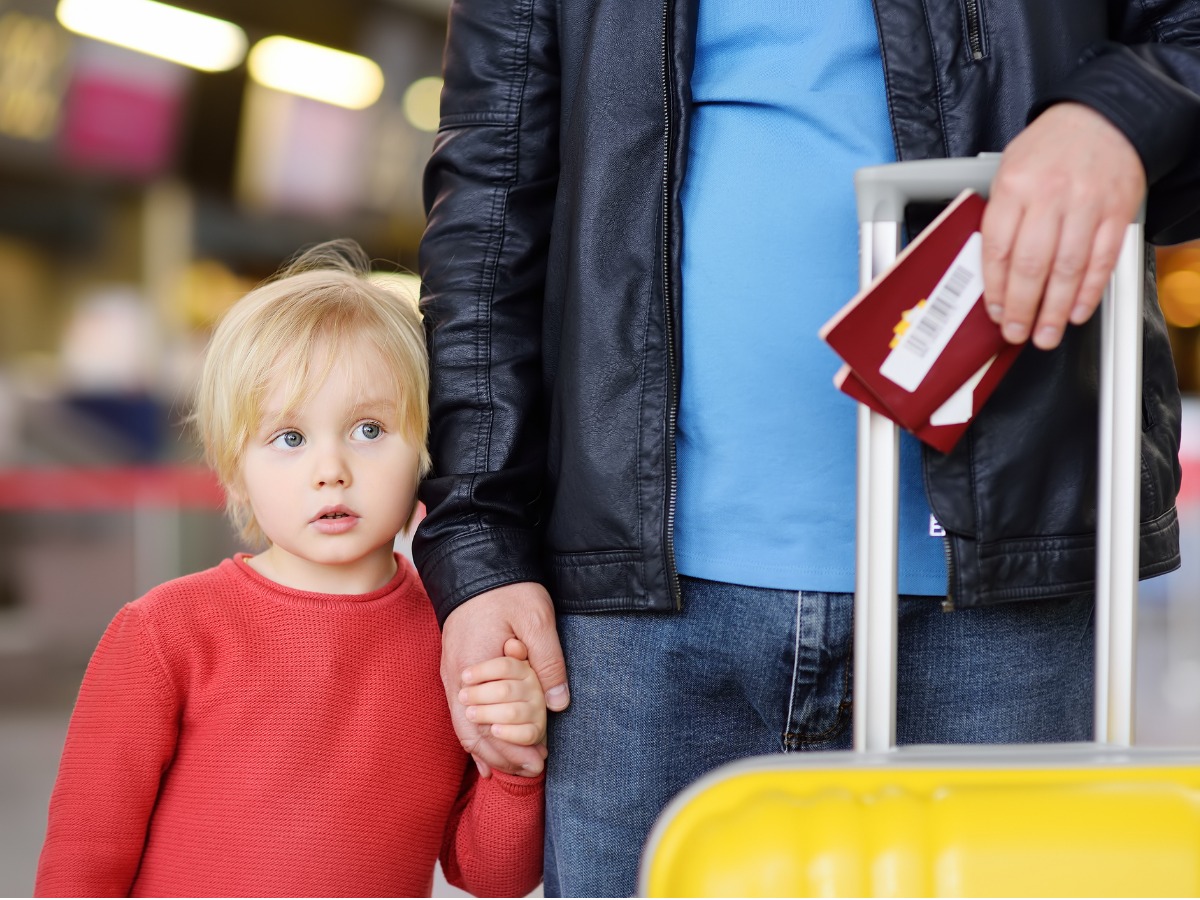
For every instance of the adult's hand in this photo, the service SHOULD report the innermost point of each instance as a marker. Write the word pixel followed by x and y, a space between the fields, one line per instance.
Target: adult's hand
pixel 476 631
pixel 1066 189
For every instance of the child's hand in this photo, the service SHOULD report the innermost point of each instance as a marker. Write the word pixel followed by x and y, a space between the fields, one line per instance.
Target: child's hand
pixel 505 693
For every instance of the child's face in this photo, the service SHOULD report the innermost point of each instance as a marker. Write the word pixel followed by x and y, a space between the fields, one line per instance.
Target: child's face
pixel 333 483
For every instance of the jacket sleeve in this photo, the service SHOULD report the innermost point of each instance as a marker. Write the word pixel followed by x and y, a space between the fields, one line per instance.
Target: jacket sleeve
pixel 493 841
pixel 120 742
pixel 489 195
pixel 1147 83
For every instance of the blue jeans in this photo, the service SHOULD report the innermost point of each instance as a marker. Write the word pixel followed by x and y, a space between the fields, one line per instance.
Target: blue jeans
pixel 659 700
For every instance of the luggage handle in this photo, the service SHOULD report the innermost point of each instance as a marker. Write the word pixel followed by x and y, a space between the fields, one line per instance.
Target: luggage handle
pixel 882 193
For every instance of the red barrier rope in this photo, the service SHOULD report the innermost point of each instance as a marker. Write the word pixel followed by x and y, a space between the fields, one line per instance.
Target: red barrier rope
pixel 127 487
pixel 195 487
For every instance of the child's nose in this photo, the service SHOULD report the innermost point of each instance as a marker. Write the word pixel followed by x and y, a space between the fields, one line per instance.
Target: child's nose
pixel 332 471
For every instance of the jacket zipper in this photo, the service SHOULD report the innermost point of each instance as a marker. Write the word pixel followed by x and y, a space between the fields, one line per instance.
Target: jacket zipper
pixel 974 31
pixel 672 398
pixel 947 548
pixel 948 603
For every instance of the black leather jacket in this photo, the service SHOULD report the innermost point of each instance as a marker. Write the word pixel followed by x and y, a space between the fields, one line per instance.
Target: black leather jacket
pixel 552 289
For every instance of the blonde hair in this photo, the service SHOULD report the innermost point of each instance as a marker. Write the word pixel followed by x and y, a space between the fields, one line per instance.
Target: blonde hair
pixel 292 327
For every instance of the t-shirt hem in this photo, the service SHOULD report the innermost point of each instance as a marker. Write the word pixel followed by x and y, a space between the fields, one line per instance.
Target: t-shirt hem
pixel 787 578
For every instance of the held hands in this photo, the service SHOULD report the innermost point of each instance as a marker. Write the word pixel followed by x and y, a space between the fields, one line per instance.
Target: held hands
pixel 1066 189
pixel 478 631
pixel 505 693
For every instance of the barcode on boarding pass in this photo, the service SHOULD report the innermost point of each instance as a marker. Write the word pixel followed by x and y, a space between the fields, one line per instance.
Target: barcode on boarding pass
pixel 931 326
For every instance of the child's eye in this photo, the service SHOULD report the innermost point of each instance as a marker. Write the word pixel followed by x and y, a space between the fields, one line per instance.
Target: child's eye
pixel 288 439
pixel 369 431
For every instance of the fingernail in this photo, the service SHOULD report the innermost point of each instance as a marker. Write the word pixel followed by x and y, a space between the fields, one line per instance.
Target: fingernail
pixel 470 714
pixel 558 697
pixel 995 310
pixel 1014 332
pixel 1046 337
pixel 462 696
pixel 1079 314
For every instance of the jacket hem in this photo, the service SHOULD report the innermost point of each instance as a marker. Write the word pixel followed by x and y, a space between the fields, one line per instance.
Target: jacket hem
pixel 1052 568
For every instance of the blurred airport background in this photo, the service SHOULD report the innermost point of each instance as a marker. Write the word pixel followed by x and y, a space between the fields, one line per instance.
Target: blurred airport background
pixel 139 196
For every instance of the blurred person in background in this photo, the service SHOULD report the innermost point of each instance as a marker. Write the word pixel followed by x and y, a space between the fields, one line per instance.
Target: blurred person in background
pixel 639 217
pixel 275 726
pixel 111 351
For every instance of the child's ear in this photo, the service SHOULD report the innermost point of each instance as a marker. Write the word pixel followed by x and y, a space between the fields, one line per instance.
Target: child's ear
pixel 414 516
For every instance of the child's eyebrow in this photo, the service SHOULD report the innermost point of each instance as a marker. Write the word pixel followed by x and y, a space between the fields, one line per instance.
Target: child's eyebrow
pixel 380 406
pixel 272 419
pixel 372 404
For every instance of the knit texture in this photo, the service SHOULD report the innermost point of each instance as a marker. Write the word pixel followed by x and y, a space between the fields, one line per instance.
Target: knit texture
pixel 234 737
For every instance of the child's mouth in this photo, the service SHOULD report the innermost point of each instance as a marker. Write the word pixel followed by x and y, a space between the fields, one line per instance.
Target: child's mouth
pixel 336 521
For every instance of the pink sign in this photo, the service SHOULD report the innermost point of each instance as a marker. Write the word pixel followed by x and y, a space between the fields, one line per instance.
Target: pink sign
pixel 122 113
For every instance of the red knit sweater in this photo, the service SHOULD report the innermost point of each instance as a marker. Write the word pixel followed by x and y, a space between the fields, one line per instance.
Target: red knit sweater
pixel 234 737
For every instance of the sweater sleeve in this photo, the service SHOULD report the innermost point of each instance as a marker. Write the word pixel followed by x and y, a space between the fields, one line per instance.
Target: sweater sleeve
pixel 120 742
pixel 493 841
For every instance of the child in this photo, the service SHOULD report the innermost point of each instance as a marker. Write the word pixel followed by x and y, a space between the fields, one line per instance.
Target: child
pixel 276 725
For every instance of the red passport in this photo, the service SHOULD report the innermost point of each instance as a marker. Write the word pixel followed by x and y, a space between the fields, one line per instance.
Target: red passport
pixel 917 342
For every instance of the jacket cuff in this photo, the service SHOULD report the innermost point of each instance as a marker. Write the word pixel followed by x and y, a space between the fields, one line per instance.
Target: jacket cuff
pixel 460 568
pixel 1156 114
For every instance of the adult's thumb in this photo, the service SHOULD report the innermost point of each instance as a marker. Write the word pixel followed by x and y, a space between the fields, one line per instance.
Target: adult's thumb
pixel 546 658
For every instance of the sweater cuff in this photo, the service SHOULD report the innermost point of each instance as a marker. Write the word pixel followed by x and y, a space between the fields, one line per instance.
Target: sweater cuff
pixel 519 785
pixel 1156 114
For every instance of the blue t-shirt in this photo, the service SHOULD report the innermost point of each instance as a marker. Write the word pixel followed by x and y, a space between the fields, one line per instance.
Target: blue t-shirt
pixel 789 101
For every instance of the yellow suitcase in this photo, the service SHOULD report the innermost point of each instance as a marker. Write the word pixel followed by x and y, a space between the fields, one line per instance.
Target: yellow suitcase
pixel 1096 819
pixel 1060 821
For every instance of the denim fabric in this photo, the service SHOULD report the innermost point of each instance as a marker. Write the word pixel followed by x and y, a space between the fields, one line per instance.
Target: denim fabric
pixel 659 700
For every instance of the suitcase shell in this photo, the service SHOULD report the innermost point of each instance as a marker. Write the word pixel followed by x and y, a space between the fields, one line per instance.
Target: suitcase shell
pixel 1091 819
pixel 1056 821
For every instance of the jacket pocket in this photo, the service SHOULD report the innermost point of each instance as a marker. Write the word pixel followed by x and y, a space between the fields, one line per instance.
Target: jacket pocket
pixel 974 29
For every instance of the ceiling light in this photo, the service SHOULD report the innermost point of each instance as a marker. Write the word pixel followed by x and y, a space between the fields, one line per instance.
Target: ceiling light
pixel 422 103
pixel 319 73
pixel 156 29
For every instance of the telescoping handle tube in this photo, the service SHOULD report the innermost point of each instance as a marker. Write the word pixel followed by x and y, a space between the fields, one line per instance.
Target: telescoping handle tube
pixel 883 193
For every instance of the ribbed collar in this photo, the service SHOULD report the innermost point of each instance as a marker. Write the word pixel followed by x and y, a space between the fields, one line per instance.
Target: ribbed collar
pixel 239 569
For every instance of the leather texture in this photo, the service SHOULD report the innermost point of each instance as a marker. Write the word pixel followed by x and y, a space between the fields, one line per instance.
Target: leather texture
pixel 551 289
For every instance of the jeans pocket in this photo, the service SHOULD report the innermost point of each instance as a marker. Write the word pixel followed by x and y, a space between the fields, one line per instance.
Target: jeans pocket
pixel 820 705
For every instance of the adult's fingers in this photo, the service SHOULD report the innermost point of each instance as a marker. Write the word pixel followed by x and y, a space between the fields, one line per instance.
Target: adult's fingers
pixel 1105 250
pixel 1033 253
pixel 1001 218
pixel 1071 262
